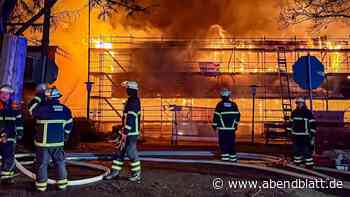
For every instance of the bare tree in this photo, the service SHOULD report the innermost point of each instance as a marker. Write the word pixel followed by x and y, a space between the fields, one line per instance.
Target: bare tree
pixel 16 16
pixel 319 12
pixel 19 15
pixel 107 7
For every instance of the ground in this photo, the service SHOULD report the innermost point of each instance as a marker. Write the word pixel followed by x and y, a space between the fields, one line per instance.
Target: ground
pixel 156 182
pixel 165 180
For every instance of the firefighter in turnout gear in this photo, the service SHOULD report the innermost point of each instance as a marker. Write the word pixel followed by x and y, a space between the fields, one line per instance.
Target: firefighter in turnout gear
pixel 39 96
pixel 130 133
pixel 226 119
pixel 11 129
pixel 53 125
pixel 302 126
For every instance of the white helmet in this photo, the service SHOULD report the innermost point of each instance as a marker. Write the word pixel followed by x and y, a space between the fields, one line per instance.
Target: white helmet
pixel 41 87
pixel 225 92
pixel 300 100
pixel 130 84
pixel 53 93
pixel 7 88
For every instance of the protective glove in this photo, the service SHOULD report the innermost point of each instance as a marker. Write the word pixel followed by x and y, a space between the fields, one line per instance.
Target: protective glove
pixel 121 142
pixel 3 137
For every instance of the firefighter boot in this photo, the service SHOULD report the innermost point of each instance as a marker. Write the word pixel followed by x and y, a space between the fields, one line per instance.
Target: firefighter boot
pixel 135 177
pixel 113 174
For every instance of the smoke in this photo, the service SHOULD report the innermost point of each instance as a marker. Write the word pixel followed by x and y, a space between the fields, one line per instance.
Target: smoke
pixel 162 67
pixel 163 71
pixel 172 18
pixel 195 17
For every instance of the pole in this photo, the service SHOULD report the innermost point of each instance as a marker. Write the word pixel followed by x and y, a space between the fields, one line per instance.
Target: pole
pixel 309 80
pixel 88 83
pixel 45 39
pixel 327 93
pixel 253 120
pixel 253 89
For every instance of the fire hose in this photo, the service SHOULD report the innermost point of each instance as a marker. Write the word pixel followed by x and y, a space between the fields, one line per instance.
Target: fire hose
pixel 156 156
pixel 25 171
pixel 106 170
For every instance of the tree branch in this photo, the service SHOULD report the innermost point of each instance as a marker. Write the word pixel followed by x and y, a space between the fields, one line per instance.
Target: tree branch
pixel 29 22
pixel 320 12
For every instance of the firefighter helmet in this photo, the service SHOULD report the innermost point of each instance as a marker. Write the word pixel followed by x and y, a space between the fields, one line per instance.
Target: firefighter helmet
pixel 130 84
pixel 53 93
pixel 225 92
pixel 41 87
pixel 7 88
pixel 300 100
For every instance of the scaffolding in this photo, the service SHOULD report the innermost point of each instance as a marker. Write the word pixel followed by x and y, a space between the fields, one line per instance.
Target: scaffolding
pixel 242 61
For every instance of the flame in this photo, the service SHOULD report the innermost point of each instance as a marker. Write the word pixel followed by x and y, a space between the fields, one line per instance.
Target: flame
pixel 69 39
pixel 218 38
pixel 99 44
pixel 229 64
pixel 335 57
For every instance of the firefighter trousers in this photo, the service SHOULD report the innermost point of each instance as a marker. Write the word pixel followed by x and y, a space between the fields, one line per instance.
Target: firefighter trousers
pixel 43 156
pixel 303 150
pixel 130 150
pixel 227 140
pixel 7 151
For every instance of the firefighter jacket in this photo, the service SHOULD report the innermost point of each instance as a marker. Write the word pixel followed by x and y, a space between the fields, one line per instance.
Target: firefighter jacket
pixel 11 121
pixel 226 116
pixel 38 99
pixel 302 122
pixel 53 123
pixel 132 116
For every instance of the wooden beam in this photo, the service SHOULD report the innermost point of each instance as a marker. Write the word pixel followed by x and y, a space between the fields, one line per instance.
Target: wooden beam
pixel 29 22
pixel 45 41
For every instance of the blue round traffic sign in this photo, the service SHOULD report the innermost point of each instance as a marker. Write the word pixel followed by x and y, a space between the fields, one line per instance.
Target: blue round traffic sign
pixel 302 72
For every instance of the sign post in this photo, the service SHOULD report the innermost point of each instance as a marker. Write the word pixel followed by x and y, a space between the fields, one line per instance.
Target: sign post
pixel 253 90
pixel 309 77
pixel 308 73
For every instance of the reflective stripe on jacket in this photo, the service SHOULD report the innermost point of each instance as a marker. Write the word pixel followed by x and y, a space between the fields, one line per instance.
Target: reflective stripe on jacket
pixel 53 122
pixel 226 116
pixel 132 114
pixel 302 122
pixel 11 121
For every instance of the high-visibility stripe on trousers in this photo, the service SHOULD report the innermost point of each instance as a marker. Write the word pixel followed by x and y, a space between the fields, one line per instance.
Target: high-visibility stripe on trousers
pixel 62 184
pixel 7 174
pixel 233 158
pixel 136 166
pixel 225 157
pixel 117 165
pixel 41 186
pixel 298 159
pixel 309 161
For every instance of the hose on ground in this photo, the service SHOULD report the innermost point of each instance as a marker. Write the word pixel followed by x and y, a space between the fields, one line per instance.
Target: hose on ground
pixel 156 156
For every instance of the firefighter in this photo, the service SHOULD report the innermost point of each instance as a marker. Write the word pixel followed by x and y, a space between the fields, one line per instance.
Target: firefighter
pixel 226 119
pixel 39 96
pixel 130 133
pixel 11 129
pixel 302 126
pixel 53 126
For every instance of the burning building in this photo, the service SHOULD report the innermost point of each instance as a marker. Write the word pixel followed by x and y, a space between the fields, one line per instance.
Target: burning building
pixel 181 55
pixel 188 73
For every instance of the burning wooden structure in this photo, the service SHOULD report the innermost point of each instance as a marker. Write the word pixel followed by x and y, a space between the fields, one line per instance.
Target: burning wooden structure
pixel 189 72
